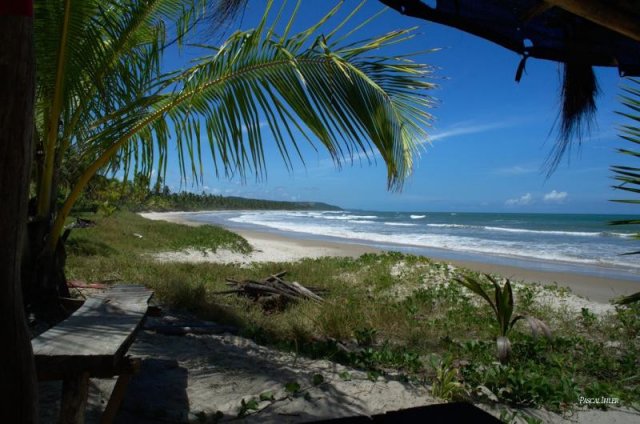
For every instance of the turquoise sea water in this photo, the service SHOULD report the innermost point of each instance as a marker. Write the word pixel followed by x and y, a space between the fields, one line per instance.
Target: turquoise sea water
pixel 553 242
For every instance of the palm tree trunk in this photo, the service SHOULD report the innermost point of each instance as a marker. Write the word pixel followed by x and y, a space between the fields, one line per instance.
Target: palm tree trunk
pixel 18 402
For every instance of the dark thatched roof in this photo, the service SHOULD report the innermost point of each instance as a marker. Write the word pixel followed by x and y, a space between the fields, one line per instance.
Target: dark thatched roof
pixel 598 32
pixel 580 34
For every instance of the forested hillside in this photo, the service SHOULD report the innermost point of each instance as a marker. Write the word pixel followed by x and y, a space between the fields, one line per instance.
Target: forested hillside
pixel 107 195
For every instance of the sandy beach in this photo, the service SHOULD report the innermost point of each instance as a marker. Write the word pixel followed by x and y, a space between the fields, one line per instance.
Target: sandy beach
pixel 270 247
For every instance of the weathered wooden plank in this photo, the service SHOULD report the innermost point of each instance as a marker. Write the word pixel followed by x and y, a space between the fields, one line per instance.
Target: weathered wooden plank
pixel 97 335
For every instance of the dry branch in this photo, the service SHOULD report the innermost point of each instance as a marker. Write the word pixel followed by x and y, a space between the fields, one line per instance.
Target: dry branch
pixel 272 287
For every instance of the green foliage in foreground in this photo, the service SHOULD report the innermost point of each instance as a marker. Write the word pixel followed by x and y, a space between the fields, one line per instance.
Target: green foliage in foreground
pixel 502 305
pixel 399 315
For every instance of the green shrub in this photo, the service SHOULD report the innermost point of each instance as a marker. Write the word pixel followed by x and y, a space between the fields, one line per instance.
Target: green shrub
pixel 502 305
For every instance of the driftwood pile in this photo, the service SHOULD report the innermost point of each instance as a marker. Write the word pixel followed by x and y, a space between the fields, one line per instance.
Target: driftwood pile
pixel 273 289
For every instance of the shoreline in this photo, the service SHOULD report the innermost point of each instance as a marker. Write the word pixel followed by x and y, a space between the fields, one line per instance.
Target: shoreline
pixel 595 288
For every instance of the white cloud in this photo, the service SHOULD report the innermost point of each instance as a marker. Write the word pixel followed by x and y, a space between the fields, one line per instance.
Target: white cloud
pixel 370 157
pixel 523 200
pixel 471 127
pixel 515 170
pixel 213 190
pixel 555 196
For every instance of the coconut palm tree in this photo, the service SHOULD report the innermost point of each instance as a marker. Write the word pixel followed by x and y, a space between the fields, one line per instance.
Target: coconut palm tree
pixel 502 305
pixel 106 98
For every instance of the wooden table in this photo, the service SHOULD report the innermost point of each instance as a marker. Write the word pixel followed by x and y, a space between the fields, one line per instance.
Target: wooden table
pixel 92 343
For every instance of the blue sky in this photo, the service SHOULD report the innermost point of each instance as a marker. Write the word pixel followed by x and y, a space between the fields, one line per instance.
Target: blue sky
pixel 489 140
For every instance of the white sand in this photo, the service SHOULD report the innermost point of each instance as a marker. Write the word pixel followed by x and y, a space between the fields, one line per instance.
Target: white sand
pixel 266 247
pixel 221 370
pixel 183 376
pixel 264 250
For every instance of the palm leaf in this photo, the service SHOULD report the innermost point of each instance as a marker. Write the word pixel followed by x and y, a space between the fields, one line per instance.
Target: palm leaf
pixel 94 57
pixel 475 286
pixel 538 327
pixel 628 176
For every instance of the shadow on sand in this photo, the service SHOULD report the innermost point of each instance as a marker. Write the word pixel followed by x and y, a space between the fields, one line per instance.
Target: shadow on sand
pixel 193 377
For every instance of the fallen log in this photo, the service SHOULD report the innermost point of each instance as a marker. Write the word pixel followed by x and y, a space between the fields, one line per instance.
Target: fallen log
pixel 272 286
pixel 306 291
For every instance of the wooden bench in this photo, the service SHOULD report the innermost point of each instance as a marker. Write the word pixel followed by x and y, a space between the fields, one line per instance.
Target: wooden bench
pixel 92 343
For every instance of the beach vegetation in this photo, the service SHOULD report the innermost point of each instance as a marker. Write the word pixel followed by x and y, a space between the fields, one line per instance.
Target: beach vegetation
pixel 107 103
pixel 446 383
pixel 588 317
pixel 248 406
pixel 131 234
pixel 503 307
pixel 418 325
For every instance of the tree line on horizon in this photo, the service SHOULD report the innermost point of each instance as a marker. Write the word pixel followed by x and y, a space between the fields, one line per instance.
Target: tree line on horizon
pixel 106 195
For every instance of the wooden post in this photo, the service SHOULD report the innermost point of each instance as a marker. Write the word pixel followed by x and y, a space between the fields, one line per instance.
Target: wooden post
pixel 119 390
pixel 115 400
pixel 75 390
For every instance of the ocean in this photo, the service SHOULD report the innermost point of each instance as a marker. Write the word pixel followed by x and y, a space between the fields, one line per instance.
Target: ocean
pixel 577 243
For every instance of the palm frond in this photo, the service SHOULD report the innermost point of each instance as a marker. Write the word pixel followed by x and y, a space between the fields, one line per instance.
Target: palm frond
pixel 628 177
pixel 351 106
pixel 95 57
